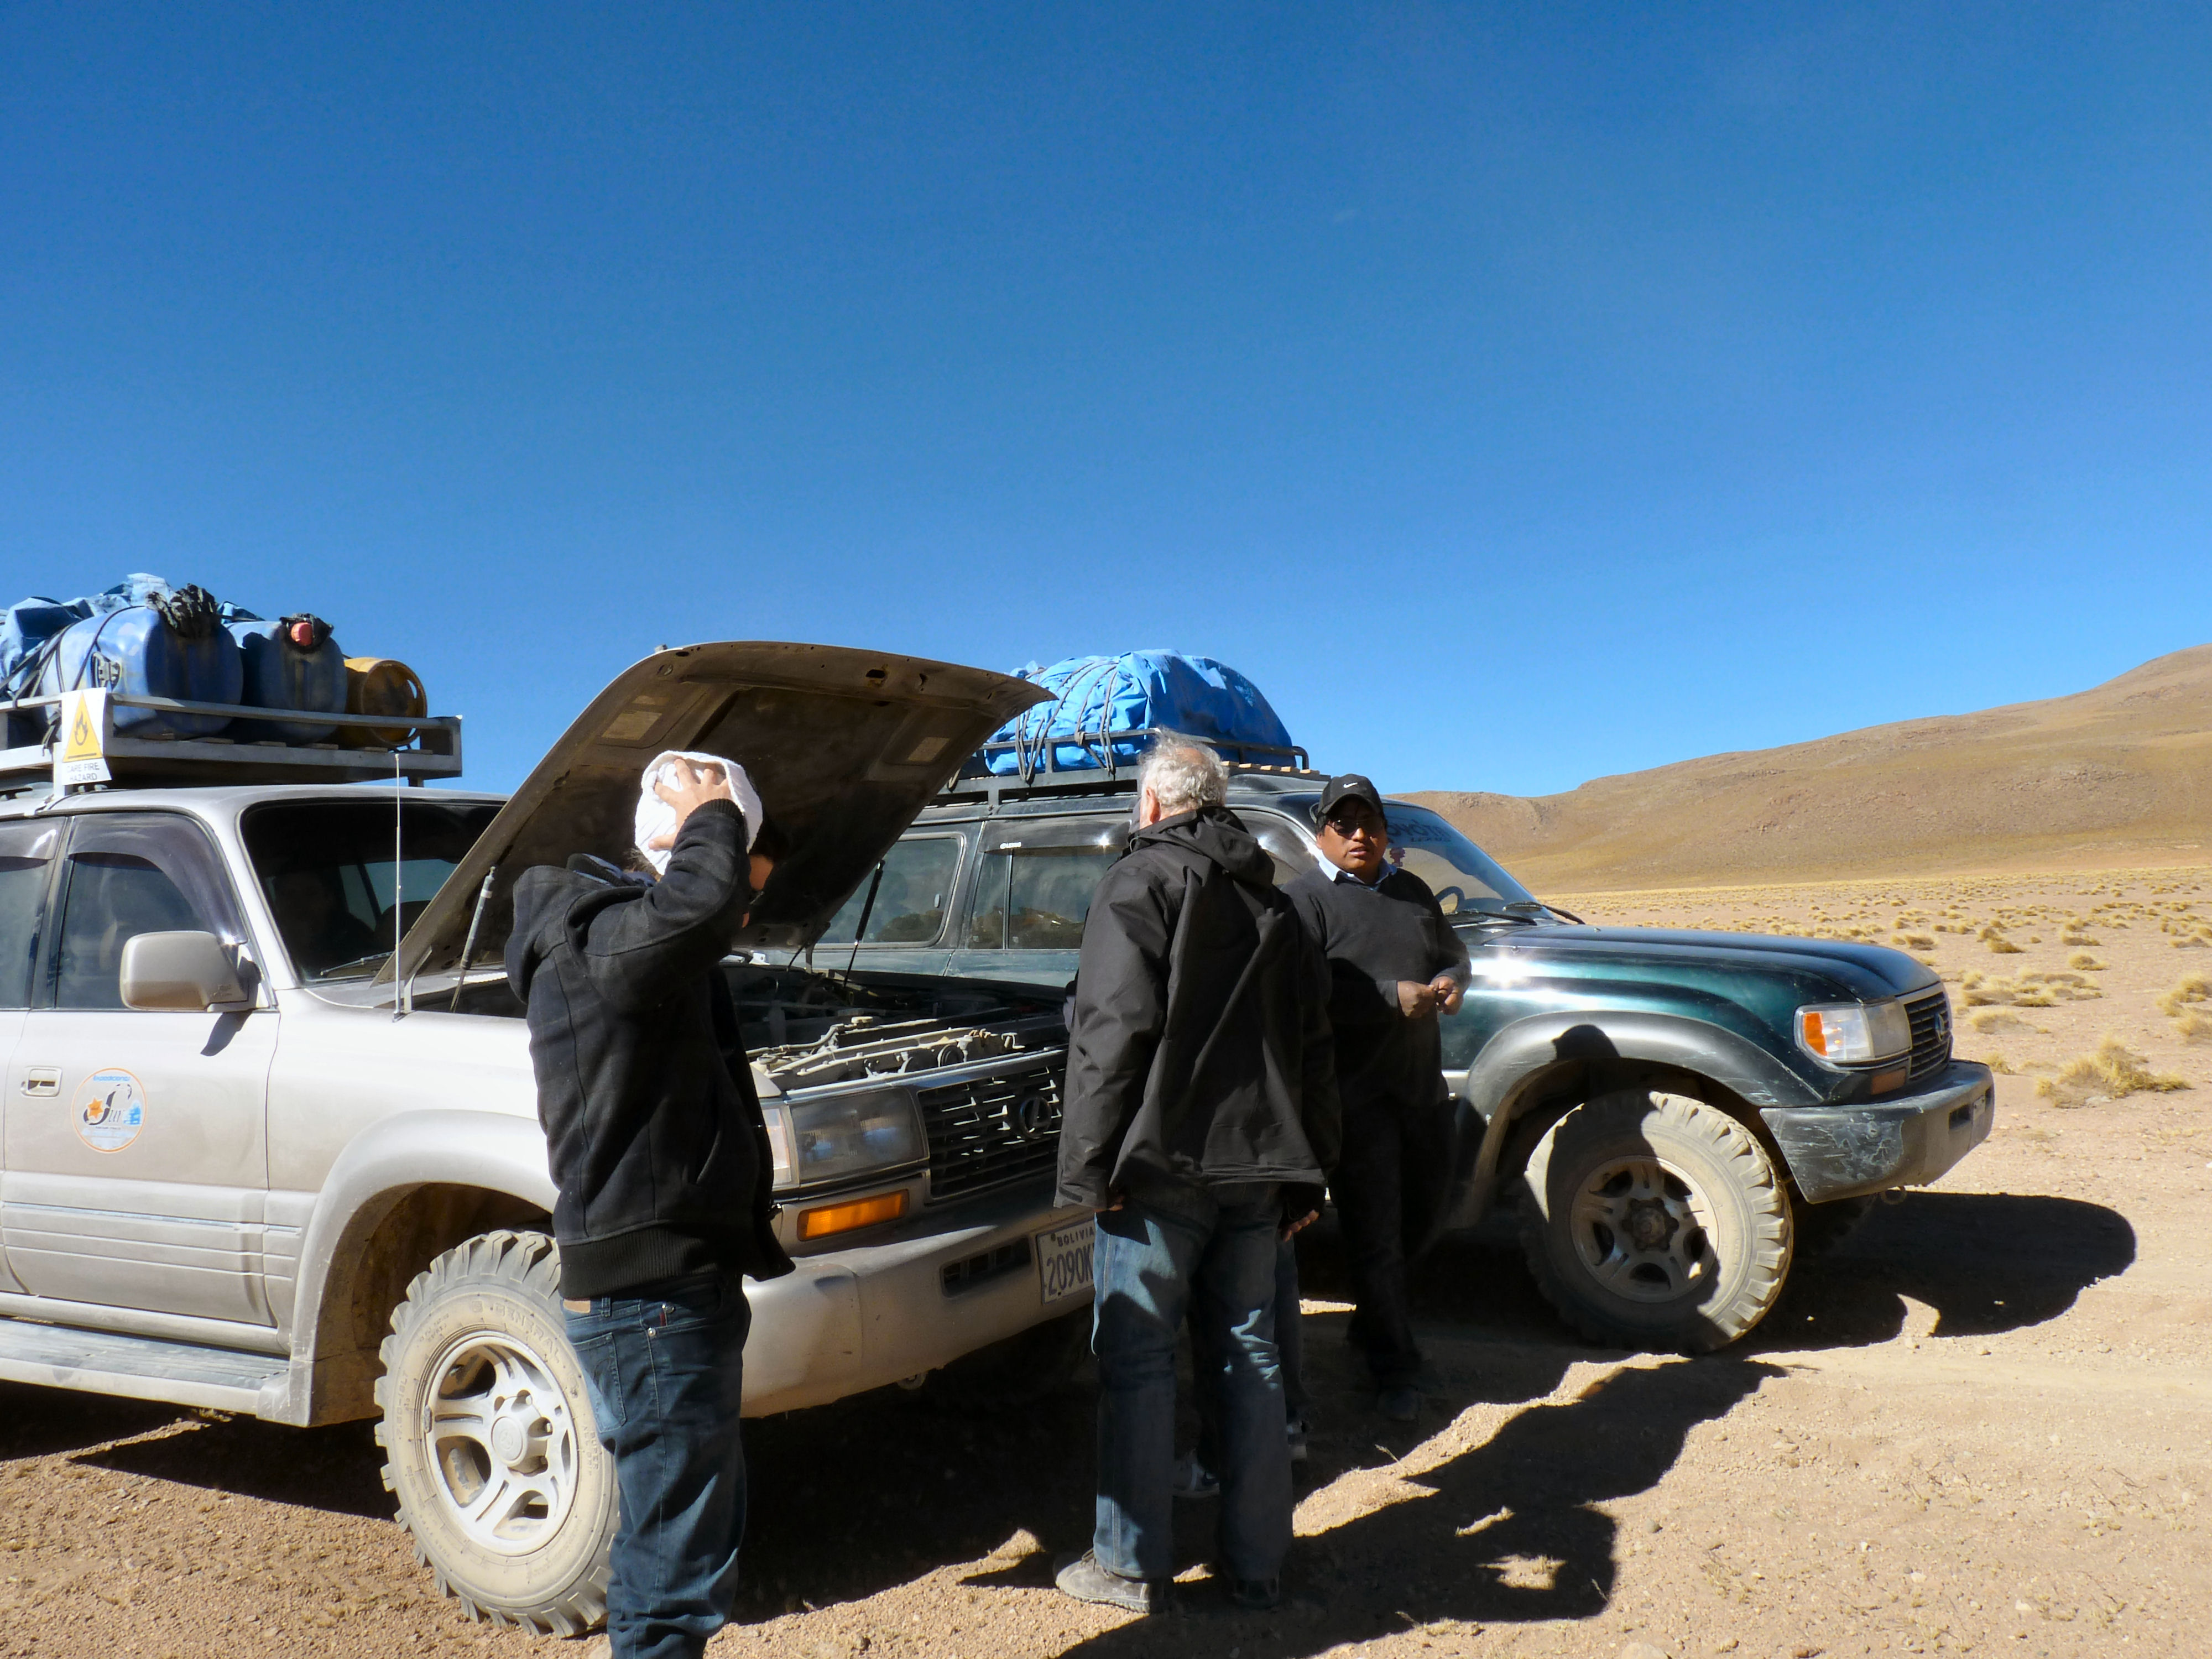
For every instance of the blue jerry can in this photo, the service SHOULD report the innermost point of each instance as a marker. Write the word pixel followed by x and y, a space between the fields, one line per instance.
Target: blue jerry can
pixel 135 650
pixel 290 663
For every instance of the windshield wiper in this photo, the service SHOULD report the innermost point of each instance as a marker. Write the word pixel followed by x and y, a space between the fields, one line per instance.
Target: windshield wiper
pixel 366 965
pixel 1526 908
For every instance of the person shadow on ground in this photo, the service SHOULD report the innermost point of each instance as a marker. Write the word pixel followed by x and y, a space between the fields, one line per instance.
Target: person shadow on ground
pixel 1510 1531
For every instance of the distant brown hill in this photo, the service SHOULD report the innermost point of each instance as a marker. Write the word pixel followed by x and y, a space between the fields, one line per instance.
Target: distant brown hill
pixel 2117 775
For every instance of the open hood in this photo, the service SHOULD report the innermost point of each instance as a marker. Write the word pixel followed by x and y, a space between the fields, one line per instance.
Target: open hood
pixel 844 746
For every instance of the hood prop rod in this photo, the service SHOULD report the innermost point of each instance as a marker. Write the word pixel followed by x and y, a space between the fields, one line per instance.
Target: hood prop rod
pixel 469 949
pixel 867 909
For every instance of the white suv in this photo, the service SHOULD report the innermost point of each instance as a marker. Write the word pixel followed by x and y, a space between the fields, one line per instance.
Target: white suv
pixel 251 1159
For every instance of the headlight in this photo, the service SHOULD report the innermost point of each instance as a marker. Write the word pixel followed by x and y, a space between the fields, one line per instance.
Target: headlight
pixel 841 1136
pixel 1855 1033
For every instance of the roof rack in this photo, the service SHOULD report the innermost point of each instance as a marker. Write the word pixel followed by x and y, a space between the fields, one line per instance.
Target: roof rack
pixel 92 752
pixel 1038 771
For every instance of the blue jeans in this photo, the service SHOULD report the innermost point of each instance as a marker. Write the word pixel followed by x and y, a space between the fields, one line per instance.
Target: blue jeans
pixel 1210 1254
pixel 1290 1349
pixel 665 1366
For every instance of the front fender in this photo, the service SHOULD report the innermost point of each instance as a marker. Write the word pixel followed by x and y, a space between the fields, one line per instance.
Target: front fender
pixel 1506 1076
pixel 496 1153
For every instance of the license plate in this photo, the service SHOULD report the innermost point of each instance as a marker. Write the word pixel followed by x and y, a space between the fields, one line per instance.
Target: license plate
pixel 1064 1262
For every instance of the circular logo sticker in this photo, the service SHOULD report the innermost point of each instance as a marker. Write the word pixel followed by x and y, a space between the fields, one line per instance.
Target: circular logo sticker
pixel 110 1110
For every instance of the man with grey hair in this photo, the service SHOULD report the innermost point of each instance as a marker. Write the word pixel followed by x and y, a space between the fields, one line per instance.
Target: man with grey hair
pixel 1200 1121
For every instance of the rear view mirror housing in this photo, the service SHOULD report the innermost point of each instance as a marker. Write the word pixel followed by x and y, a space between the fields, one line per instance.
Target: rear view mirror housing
pixel 185 972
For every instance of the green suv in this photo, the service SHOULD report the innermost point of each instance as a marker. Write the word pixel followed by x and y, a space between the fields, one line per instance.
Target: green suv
pixel 1676 1114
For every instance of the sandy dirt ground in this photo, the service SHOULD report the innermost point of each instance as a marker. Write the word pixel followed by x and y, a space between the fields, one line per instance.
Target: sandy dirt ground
pixel 1983 1424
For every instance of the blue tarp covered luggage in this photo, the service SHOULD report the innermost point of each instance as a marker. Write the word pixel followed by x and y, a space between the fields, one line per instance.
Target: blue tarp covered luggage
pixel 1104 700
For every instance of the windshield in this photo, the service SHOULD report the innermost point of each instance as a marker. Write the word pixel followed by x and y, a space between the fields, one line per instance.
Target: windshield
pixel 325 868
pixel 1459 873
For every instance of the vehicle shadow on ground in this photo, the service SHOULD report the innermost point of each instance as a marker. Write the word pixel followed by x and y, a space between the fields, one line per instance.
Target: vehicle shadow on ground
pixel 36 1422
pixel 337 1468
pixel 1986 1262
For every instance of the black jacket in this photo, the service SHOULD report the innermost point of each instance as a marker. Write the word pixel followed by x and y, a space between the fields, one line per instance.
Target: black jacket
pixel 1199 1052
pixel 1373 937
pixel 653 1128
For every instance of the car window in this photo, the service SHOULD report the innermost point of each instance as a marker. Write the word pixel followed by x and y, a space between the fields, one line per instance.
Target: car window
pixel 325 868
pixel 910 899
pixel 1034 885
pixel 26 852
pixel 1459 873
pixel 131 873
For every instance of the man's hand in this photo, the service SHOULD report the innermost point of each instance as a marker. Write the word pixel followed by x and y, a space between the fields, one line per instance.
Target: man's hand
pixel 1447 993
pixel 1415 998
pixel 694 786
pixel 1292 1228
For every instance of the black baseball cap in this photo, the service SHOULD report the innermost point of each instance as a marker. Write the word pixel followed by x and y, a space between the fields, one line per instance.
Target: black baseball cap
pixel 1350 786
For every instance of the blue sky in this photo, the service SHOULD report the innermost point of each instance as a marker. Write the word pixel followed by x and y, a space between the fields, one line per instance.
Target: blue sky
pixel 1519 394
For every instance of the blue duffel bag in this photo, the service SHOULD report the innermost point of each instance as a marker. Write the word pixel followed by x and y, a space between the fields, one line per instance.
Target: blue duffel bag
pixel 1107 706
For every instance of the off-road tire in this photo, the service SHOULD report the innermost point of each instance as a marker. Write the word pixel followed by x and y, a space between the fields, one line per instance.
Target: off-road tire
pixel 1821 1228
pixel 1716 1218
pixel 483 1321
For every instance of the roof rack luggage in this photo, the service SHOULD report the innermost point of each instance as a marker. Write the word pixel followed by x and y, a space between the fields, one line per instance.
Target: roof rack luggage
pixel 1040 773
pixel 69 739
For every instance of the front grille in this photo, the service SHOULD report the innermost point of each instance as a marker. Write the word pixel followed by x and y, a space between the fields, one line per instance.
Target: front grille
pixel 991 1131
pixel 1931 1032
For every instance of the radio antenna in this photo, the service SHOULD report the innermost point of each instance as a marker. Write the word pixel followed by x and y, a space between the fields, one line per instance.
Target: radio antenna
pixel 398 882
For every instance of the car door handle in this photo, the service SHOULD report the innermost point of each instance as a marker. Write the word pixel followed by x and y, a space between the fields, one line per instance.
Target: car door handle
pixel 42 1081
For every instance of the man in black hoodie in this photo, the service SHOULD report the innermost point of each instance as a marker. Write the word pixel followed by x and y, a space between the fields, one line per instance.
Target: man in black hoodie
pixel 1201 1120
pixel 655 1135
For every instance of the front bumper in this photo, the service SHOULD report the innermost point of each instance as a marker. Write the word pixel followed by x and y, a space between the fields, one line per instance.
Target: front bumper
pixel 1906 1140
pixel 848 1320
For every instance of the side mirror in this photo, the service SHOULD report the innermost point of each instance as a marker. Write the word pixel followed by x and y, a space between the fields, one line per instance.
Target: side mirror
pixel 188 972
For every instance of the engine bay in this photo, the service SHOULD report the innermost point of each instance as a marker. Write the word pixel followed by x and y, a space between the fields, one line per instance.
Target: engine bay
pixel 805 1029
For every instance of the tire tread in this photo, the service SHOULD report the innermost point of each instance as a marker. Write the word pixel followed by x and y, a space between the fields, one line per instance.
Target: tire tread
pixel 531 1263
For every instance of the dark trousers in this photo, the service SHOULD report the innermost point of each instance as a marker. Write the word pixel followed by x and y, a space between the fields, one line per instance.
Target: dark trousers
pixel 664 1366
pixel 1390 1185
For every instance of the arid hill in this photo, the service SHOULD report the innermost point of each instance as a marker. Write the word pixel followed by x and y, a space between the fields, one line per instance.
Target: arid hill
pixel 2117 775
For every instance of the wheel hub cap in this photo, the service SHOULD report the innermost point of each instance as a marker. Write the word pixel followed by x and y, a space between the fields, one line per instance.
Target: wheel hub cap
pixel 504 1444
pixel 1643 1231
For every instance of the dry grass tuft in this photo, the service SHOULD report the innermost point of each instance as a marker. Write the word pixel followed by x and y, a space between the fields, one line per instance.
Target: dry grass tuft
pixel 2108 1073
pixel 2176 1005
pixel 1993 936
pixel 1997 1019
pixel 1998 1062
pixel 1978 990
pixel 2086 963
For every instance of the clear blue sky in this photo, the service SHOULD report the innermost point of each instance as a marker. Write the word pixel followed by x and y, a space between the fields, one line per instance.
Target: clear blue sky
pixel 1518 393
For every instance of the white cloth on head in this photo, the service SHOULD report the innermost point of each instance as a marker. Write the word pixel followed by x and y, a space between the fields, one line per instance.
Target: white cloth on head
pixel 656 818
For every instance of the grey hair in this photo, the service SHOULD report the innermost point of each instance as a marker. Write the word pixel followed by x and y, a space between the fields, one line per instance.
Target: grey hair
pixel 1183 777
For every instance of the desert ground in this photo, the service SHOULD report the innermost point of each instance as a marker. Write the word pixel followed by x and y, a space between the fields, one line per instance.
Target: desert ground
pixel 1984 1423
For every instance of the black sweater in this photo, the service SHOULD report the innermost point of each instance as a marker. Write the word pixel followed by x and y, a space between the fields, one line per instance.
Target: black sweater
pixel 653 1128
pixel 1374 937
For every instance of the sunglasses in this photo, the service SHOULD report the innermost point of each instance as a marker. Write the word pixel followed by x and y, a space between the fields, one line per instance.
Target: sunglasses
pixel 1348 824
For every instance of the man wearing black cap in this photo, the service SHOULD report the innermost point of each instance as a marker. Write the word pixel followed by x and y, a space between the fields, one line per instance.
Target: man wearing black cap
pixel 1395 965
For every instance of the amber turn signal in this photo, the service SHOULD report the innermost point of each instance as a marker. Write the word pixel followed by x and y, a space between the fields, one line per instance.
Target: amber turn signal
pixel 844 1217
